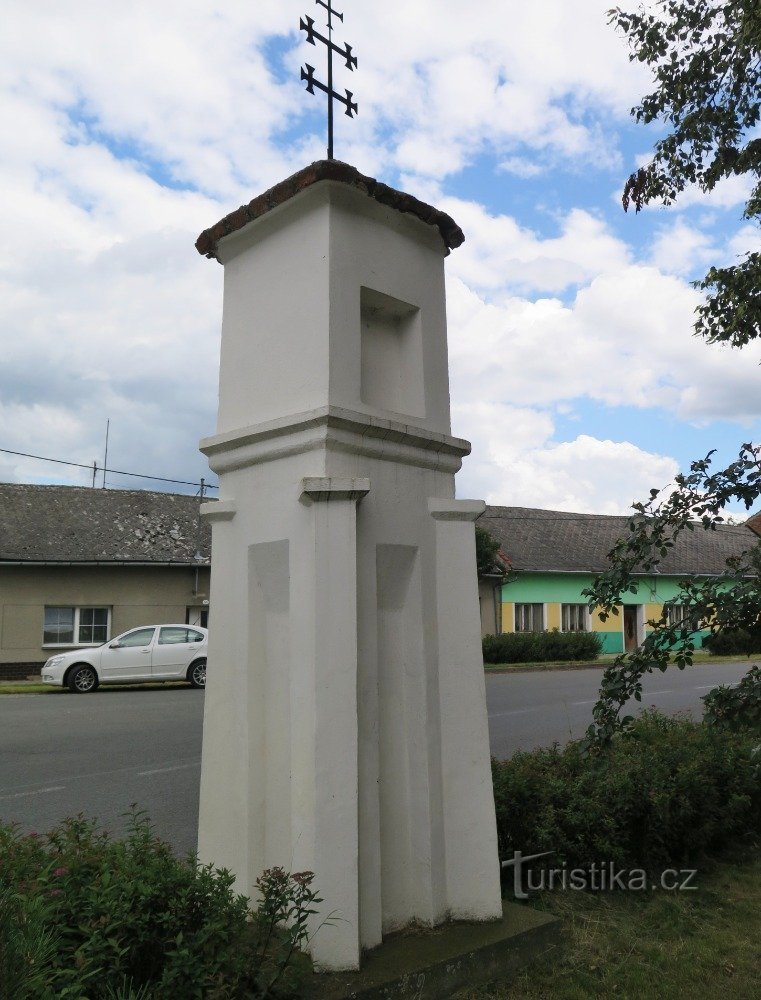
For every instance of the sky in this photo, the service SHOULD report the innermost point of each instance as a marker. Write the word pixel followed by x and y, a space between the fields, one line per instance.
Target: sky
pixel 129 128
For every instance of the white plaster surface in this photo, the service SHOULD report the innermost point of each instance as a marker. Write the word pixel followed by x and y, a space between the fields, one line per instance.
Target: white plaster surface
pixel 345 723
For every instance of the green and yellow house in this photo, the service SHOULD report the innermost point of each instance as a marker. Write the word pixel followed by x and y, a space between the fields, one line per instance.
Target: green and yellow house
pixel 554 555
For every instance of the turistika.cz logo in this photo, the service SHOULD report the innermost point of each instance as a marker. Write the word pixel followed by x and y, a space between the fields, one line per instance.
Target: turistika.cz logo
pixel 602 876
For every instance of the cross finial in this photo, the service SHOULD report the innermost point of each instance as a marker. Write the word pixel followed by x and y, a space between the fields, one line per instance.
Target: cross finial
pixel 307 72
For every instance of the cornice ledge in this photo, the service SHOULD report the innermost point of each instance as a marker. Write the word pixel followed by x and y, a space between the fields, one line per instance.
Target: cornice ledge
pixel 364 424
pixel 455 510
pixel 326 488
pixel 334 427
pixel 218 510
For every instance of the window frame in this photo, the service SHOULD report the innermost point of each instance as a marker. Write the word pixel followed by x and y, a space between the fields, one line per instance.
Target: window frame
pixel 587 627
pixel 77 609
pixel 533 605
pixel 675 618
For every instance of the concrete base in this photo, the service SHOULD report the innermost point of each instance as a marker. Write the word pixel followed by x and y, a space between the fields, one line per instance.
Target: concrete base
pixel 433 963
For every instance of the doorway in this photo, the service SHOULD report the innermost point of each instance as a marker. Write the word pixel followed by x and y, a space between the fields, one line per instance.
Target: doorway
pixel 197 616
pixel 631 627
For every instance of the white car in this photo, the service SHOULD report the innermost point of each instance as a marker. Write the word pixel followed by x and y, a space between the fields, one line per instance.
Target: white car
pixel 148 653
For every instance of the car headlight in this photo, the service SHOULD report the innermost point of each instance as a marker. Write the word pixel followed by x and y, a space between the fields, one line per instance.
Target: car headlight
pixel 54 661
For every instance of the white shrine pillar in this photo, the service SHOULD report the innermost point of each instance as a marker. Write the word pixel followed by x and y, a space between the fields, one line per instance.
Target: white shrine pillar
pixel 345 725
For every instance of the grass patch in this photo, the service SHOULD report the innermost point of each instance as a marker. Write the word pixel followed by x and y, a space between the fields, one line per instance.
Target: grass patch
pixel 701 944
pixel 27 687
pixel 32 687
pixel 604 661
pixel 528 668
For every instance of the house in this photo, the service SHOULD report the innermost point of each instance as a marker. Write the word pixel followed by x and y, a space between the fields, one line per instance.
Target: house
pixel 555 555
pixel 80 565
pixel 490 594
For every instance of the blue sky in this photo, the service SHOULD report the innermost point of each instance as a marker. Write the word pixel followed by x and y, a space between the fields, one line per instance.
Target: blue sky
pixel 574 371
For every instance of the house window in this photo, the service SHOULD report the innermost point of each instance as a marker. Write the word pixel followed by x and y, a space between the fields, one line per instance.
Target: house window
pixel 71 626
pixel 680 616
pixel 574 618
pixel 529 617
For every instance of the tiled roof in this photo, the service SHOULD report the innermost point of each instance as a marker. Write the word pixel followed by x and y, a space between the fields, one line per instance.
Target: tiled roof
pixel 328 170
pixel 78 524
pixel 556 541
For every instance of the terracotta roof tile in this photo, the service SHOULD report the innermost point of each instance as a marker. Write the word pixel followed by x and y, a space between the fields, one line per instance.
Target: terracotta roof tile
pixel 328 170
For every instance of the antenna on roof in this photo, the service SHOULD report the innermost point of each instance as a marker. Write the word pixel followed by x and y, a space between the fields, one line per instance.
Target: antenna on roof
pixel 105 456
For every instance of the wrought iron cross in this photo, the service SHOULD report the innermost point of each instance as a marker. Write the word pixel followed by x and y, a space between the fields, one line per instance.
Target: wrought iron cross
pixel 307 71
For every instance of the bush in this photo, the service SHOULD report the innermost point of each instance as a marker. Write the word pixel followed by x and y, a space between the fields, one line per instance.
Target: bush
pixel 92 917
pixel 735 642
pixel 738 707
pixel 659 796
pixel 541 647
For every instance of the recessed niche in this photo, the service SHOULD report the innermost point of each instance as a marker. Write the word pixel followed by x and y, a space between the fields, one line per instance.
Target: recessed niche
pixel 392 354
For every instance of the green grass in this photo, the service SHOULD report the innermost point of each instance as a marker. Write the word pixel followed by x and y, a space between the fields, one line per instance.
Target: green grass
pixel 27 687
pixel 659 945
pixel 32 687
pixel 604 660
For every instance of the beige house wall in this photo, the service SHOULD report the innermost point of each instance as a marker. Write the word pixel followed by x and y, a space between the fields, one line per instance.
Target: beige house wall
pixel 136 595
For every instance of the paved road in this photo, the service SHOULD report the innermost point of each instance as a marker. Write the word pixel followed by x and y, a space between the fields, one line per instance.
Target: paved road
pixel 97 754
pixel 536 709
pixel 61 754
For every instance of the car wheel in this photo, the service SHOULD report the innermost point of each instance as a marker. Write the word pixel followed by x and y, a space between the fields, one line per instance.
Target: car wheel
pixel 197 674
pixel 82 679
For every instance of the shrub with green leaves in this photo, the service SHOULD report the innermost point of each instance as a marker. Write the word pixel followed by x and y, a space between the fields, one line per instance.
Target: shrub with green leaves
pixel 541 647
pixel 734 642
pixel 736 707
pixel 28 944
pixel 107 918
pixel 660 795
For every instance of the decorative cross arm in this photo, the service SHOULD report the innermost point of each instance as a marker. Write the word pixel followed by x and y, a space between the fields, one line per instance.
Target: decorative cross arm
pixel 307 24
pixel 307 72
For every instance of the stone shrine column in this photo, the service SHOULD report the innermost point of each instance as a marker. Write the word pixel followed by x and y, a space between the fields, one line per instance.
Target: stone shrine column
pixel 345 726
pixel 334 793
pixel 462 690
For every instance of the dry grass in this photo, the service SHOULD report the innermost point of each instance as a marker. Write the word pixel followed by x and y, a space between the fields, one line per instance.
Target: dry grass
pixel 660 945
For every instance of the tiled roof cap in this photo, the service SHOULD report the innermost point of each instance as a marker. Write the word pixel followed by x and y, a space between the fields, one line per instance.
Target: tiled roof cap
pixel 328 170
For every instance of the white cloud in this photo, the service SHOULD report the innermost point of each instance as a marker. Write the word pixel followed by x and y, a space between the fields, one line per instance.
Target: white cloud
pixel 729 193
pixel 192 84
pixel 586 474
pixel 746 240
pixel 500 254
pixel 682 249
pixel 625 339
pixel 135 126
pixel 517 462
pixel 521 167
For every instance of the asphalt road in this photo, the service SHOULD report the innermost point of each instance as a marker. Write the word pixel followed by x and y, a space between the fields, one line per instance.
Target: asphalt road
pixel 61 754
pixel 536 709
